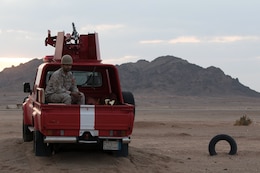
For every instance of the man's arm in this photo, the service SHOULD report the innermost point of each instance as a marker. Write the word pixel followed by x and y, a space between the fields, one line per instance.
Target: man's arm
pixel 56 84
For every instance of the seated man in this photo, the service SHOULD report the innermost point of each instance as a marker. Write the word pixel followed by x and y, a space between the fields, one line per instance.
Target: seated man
pixel 62 87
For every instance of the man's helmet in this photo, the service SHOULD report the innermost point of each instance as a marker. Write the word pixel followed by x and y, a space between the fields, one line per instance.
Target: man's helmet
pixel 66 59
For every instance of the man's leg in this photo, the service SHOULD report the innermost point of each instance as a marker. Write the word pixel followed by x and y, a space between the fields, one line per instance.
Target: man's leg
pixel 82 100
pixel 60 98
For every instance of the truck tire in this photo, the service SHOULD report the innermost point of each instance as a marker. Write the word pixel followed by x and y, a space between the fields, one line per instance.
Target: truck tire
pixel 123 152
pixel 217 138
pixel 128 98
pixel 27 134
pixel 41 148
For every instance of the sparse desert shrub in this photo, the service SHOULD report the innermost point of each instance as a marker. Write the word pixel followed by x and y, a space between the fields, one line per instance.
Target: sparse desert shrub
pixel 243 121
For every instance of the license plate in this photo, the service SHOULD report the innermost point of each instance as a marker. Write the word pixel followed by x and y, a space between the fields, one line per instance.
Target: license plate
pixel 111 145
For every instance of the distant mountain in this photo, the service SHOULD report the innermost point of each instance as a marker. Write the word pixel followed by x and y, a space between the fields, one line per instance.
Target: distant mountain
pixel 12 78
pixel 164 75
pixel 175 76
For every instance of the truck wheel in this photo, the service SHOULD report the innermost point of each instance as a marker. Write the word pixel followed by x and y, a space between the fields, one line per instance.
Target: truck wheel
pixel 216 139
pixel 25 98
pixel 27 134
pixel 128 98
pixel 123 152
pixel 41 148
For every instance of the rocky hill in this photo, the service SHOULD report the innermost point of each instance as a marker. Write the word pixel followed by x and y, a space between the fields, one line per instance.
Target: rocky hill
pixel 12 78
pixel 164 75
pixel 175 76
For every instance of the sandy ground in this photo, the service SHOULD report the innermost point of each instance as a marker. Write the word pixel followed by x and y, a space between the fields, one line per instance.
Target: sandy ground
pixel 169 136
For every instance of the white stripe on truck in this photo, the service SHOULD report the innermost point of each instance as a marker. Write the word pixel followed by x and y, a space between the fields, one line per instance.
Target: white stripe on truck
pixel 87 120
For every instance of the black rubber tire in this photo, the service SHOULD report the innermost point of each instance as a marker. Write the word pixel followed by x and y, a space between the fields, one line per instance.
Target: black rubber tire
pixel 25 99
pixel 123 152
pixel 41 148
pixel 128 98
pixel 217 138
pixel 27 134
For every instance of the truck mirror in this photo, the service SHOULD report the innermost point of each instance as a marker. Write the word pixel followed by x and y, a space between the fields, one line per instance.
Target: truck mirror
pixel 26 87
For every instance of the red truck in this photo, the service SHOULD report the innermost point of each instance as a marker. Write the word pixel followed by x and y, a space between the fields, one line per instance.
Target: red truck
pixel 107 118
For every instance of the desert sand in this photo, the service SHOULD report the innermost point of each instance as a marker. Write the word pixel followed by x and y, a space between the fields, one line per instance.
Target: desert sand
pixel 170 135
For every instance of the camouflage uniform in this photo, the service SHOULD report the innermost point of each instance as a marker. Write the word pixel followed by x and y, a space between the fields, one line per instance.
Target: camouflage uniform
pixel 59 88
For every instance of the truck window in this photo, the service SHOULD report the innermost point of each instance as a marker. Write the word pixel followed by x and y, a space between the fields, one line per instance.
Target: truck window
pixel 83 78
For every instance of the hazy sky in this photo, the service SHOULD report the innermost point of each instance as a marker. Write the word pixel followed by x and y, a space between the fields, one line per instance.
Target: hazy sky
pixel 220 33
